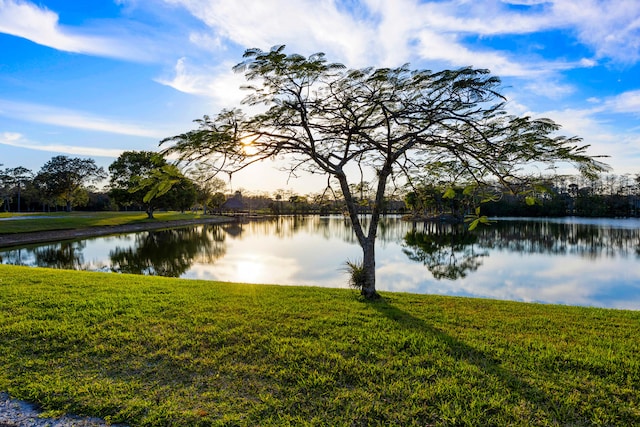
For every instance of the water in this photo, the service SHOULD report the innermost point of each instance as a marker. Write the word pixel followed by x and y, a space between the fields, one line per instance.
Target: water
pixel 588 262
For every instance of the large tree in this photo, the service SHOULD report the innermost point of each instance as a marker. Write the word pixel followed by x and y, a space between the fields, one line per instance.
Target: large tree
pixel 391 121
pixel 125 173
pixel 145 179
pixel 64 178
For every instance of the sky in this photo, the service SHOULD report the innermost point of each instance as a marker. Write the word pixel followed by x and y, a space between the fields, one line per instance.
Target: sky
pixel 92 79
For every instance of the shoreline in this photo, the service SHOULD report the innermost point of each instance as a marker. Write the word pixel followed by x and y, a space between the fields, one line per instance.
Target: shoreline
pixel 19 239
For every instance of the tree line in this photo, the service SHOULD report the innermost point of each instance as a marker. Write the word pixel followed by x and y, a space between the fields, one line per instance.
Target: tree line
pixel 613 196
pixel 65 184
pixel 145 181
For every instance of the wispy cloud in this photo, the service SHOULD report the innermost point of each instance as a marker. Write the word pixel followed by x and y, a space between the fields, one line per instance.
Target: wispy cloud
pixel 27 20
pixel 382 33
pixel 611 29
pixel 621 146
pixel 18 140
pixel 627 102
pixel 303 24
pixel 377 29
pixel 219 83
pixel 74 119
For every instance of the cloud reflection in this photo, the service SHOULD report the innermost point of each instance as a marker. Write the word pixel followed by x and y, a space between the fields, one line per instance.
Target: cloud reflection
pixel 588 264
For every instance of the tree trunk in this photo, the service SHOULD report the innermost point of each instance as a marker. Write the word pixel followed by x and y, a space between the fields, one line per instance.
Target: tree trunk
pixel 149 212
pixel 367 242
pixel 369 266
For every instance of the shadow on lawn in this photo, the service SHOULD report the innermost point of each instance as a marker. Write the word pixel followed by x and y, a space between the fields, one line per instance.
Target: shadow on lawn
pixel 540 401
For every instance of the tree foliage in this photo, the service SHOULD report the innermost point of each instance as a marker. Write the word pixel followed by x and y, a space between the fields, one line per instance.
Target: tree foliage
pixel 12 181
pixel 66 178
pixel 145 178
pixel 393 122
pixel 208 186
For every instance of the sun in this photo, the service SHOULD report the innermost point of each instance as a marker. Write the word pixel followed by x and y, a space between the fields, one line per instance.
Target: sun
pixel 248 146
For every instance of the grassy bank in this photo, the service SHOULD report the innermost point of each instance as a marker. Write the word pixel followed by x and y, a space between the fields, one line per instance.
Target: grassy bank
pixel 30 222
pixel 154 351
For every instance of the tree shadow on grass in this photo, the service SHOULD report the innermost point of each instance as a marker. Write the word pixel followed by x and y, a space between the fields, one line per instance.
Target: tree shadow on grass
pixel 540 402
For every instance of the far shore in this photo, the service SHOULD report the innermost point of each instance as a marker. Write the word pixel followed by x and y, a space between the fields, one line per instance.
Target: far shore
pixel 18 239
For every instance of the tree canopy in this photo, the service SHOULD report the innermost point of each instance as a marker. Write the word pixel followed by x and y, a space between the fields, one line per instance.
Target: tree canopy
pixel 393 122
pixel 64 178
pixel 13 180
pixel 145 178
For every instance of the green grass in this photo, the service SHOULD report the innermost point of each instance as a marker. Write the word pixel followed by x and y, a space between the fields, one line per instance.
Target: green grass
pixel 154 351
pixel 74 220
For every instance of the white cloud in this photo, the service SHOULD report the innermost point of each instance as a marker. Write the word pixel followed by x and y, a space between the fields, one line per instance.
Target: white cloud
pixel 549 88
pixel 372 32
pixel 73 119
pixel 627 102
pixel 612 29
pixel 383 33
pixel 24 19
pixel 206 41
pixel 18 140
pixel 219 83
pixel 622 146
pixel 303 25
pixel 435 46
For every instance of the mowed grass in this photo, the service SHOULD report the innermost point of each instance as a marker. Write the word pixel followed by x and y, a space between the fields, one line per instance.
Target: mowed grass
pixel 30 222
pixel 153 351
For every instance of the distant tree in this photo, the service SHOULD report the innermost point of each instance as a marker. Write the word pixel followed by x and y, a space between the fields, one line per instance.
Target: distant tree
pixel 144 179
pixel 65 178
pixel 298 203
pixel 20 176
pixel 5 189
pixel 207 185
pixel 157 183
pixel 388 122
pixel 217 200
pixel 14 180
pixel 171 189
pixel 125 173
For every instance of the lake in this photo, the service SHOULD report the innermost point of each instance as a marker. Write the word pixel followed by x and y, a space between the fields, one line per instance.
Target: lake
pixel 575 261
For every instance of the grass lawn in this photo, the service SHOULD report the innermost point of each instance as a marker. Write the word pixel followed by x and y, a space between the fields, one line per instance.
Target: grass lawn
pixel 153 351
pixel 30 222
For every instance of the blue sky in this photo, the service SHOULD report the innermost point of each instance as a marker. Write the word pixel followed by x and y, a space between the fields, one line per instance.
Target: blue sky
pixel 95 78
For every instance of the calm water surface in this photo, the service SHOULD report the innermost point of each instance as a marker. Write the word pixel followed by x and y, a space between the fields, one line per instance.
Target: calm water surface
pixel 567 261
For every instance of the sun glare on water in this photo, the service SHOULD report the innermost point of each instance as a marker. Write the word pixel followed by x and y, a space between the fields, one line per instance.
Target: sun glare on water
pixel 250 271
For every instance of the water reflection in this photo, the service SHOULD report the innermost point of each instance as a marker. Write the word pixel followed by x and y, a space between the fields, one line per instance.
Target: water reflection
pixel 169 252
pixel 446 250
pixel 583 239
pixel 558 261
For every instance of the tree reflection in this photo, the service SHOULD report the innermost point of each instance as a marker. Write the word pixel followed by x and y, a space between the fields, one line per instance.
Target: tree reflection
pixel 65 255
pixel 390 229
pixel 556 238
pixel 446 250
pixel 169 252
pixel 14 257
pixel 450 251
